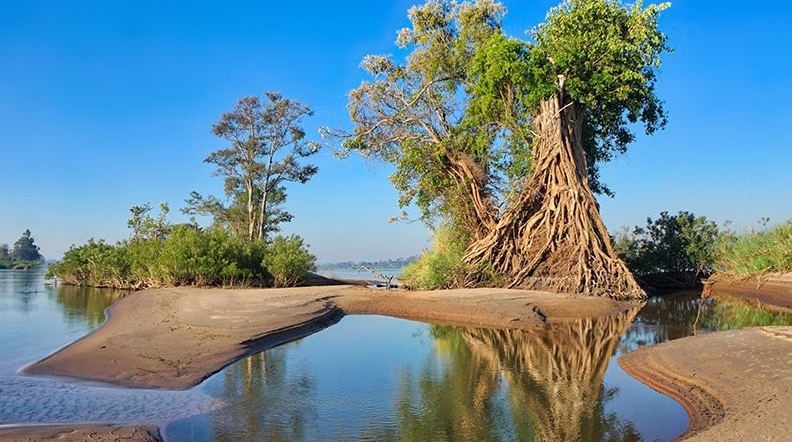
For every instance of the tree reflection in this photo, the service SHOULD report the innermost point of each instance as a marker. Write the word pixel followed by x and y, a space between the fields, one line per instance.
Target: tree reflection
pixel 276 406
pixel 473 385
pixel 552 383
pixel 85 305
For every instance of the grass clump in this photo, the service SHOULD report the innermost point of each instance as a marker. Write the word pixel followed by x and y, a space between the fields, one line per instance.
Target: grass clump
pixel 442 266
pixel 756 253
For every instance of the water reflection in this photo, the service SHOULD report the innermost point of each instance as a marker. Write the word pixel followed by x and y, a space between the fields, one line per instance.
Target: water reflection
pixel 465 384
pixel 553 381
pixel 373 378
pixel 85 305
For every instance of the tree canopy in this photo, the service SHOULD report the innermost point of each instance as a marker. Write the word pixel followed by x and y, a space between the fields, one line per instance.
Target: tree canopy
pixel 487 131
pixel 25 249
pixel 265 143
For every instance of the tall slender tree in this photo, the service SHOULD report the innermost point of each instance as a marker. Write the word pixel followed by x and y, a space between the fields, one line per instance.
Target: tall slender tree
pixel 265 143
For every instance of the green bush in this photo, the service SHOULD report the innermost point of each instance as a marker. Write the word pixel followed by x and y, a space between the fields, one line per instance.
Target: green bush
pixel 288 261
pixel 671 244
pixel 755 254
pixel 442 266
pixel 186 256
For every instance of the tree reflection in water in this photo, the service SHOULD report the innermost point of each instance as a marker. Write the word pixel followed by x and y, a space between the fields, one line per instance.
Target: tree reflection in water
pixel 464 384
pixel 85 305
pixel 552 380
pixel 453 383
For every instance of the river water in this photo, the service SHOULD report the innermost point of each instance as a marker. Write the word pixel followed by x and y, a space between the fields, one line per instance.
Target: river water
pixel 368 377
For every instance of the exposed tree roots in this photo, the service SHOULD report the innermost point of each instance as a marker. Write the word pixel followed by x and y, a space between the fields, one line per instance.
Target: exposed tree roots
pixel 551 237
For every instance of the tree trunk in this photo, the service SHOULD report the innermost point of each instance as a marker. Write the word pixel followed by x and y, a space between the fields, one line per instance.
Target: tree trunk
pixel 474 208
pixel 251 212
pixel 551 236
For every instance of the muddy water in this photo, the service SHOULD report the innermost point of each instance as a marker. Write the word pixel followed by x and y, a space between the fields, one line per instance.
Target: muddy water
pixel 369 378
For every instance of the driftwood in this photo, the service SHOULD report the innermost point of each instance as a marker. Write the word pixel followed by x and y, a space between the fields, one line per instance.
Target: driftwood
pixel 388 278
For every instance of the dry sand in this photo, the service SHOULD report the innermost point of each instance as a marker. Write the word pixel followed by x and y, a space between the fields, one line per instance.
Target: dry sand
pixel 735 385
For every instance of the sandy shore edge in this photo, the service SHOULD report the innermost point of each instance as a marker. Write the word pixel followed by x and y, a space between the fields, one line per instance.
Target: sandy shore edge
pixel 175 338
pixel 734 385
pixel 773 291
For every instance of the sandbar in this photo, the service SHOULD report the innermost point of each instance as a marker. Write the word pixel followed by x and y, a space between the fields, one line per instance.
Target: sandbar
pixel 734 385
pixel 175 338
pixel 773 291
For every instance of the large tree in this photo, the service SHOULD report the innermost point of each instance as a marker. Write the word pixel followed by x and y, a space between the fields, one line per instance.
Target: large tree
pixel 25 249
pixel 504 137
pixel 265 143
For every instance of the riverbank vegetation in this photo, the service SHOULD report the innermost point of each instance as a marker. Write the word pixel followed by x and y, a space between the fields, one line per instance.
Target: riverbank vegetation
pixel 24 254
pixel 677 251
pixel 160 254
pixel 503 138
pixel 754 254
pixel 265 142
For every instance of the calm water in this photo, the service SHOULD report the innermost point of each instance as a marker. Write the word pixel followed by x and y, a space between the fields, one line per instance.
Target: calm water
pixel 369 378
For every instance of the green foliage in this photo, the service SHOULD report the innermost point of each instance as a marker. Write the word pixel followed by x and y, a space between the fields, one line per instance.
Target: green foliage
pixel 604 56
pixel 678 243
pixel 414 115
pixel 756 254
pixel 265 142
pixel 288 261
pixel 187 256
pixel 25 249
pixel 442 266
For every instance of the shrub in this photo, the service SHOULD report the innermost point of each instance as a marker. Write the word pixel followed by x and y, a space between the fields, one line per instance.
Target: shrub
pixel 442 266
pixel 672 243
pixel 288 261
pixel 186 256
pixel 95 263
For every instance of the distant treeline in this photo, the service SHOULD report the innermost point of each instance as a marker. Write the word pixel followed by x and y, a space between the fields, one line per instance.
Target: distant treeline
pixel 24 254
pixel 381 264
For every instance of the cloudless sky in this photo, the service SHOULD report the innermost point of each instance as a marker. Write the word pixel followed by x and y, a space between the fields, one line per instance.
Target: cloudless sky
pixel 109 104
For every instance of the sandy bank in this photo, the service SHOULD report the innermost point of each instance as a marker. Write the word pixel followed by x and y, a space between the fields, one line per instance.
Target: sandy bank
pixel 175 338
pixel 772 291
pixel 735 385
pixel 81 433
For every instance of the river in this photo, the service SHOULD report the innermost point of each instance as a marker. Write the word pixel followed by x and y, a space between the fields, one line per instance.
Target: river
pixel 369 378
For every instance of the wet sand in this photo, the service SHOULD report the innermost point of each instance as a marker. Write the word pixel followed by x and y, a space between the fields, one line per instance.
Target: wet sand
pixel 735 385
pixel 81 433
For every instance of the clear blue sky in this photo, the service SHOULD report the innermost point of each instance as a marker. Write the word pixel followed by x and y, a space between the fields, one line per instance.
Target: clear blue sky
pixel 109 104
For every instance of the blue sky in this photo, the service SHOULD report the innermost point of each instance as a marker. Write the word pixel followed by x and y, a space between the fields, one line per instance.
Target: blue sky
pixel 105 105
